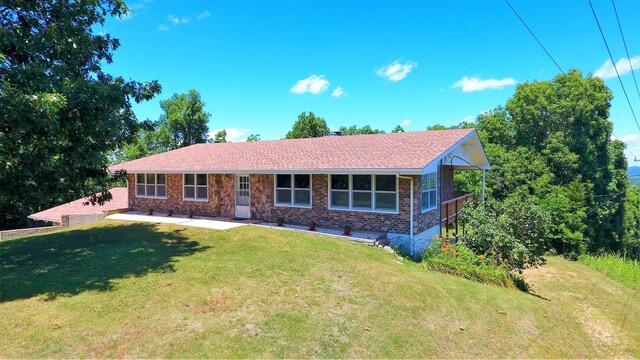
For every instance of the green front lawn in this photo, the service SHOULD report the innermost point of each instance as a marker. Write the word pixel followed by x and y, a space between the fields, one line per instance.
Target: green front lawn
pixel 119 289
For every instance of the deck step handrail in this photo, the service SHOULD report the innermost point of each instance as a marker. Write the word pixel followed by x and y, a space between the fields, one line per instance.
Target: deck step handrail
pixel 450 209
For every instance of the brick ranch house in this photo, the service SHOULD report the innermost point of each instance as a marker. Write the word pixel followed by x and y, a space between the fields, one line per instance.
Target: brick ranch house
pixel 392 183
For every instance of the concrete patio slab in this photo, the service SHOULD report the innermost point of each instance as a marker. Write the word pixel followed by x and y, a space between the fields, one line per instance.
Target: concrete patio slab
pixel 195 222
pixel 365 237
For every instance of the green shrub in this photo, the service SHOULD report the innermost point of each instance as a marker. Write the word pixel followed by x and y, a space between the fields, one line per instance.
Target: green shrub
pixel 460 261
pixel 512 234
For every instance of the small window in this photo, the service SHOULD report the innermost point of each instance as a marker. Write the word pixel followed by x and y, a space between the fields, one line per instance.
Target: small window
pixel 339 191
pixel 361 194
pixel 140 185
pixel 196 187
pixel 151 185
pixel 386 193
pixel 429 191
pixel 293 190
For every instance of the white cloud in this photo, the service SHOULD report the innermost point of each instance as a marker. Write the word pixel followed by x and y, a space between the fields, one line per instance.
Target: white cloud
pixel 471 84
pixel 163 27
pixel 175 20
pixel 405 122
pixel 203 15
pixel 233 134
pixel 633 146
pixel 338 92
pixel 396 71
pixel 606 70
pixel 141 4
pixel 314 84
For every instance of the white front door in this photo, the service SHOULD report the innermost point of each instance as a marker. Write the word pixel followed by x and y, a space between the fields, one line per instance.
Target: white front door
pixel 243 200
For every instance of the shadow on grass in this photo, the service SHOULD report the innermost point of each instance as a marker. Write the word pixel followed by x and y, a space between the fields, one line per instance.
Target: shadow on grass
pixel 71 262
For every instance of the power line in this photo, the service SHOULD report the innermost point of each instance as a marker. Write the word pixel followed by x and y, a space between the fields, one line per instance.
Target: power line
pixel 560 68
pixel 534 36
pixel 635 158
pixel 626 50
pixel 593 11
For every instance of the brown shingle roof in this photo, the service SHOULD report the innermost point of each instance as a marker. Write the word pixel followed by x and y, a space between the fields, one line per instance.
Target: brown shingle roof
pixel 399 151
pixel 119 201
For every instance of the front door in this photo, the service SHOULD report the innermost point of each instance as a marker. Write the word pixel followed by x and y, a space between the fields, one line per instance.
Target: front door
pixel 243 208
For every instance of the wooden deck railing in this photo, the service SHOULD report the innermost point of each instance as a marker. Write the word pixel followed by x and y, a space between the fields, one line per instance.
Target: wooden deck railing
pixel 450 209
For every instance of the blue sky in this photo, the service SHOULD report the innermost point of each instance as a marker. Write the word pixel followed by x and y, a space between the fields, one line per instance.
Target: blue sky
pixel 258 64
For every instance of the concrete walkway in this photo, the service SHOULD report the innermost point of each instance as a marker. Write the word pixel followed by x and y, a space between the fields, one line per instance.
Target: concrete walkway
pixel 178 220
pixel 224 224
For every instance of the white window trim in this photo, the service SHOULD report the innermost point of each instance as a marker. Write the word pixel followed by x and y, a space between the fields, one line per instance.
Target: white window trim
pixel 195 187
pixel 423 191
pixel 156 186
pixel 373 192
pixel 293 189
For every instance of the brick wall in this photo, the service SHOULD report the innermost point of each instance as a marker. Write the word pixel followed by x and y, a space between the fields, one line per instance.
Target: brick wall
pixel 12 234
pixel 222 203
pixel 447 183
pixel 263 208
pixel 221 197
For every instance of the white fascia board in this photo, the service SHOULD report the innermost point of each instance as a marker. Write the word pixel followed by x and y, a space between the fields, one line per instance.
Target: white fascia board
pixel 284 171
pixel 430 167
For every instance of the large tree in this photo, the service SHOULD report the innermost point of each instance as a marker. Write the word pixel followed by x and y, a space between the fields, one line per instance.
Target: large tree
pixel 185 119
pixel 553 142
pixel 60 113
pixel 308 125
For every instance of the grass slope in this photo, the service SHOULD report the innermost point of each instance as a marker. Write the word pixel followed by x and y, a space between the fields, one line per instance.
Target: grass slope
pixel 626 271
pixel 137 290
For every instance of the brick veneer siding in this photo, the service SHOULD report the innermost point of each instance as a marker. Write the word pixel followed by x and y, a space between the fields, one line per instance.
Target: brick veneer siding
pixel 222 203
pixel 221 197
pixel 263 208
pixel 447 183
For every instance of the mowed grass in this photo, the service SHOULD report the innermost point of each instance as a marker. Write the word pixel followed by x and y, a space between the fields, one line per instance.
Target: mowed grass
pixel 119 289
pixel 624 270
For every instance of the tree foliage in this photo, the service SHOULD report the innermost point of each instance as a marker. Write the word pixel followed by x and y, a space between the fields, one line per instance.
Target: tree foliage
pixel 182 123
pixel 220 136
pixel 253 137
pixel 355 130
pixel 184 119
pixel 512 233
pixel 61 113
pixel 552 144
pixel 308 125
pixel 398 129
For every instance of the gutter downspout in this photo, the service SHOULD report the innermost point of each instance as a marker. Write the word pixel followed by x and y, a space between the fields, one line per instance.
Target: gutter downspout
pixel 484 172
pixel 410 211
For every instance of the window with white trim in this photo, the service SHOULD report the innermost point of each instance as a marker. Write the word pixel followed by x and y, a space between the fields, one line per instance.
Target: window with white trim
pixel 364 192
pixel 386 194
pixel 339 193
pixel 293 190
pixel 151 185
pixel 196 187
pixel 429 188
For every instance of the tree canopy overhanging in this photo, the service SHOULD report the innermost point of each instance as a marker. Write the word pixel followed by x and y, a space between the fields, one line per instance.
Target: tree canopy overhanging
pixel 61 113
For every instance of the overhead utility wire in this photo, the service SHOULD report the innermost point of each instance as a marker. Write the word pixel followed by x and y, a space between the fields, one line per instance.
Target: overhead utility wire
pixel 626 50
pixel 534 36
pixel 552 58
pixel 624 90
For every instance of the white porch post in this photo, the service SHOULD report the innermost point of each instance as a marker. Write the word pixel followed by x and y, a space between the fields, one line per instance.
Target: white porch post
pixel 484 173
